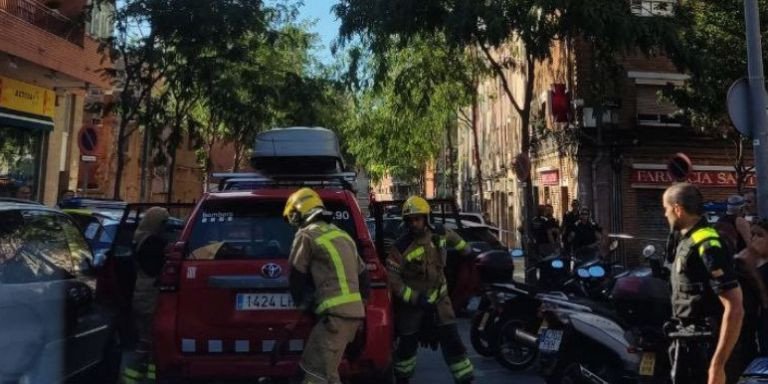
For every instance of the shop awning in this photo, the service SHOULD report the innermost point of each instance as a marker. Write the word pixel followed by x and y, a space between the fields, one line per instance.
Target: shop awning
pixel 22 120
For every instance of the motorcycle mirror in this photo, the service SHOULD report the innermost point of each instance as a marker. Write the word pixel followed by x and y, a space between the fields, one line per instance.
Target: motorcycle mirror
pixel 614 245
pixel 649 251
pixel 596 271
pixel 557 264
pixel 583 273
pixel 517 252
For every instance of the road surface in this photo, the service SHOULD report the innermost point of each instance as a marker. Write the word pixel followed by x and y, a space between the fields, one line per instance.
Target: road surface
pixel 431 369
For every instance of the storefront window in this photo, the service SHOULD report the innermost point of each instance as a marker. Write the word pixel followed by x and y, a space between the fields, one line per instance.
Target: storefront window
pixel 20 162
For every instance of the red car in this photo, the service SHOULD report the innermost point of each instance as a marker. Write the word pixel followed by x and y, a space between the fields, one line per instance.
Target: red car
pixel 225 311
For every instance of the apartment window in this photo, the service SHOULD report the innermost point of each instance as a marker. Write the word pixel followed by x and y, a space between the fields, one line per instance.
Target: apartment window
pixel 651 111
pixel 648 8
pixel 101 23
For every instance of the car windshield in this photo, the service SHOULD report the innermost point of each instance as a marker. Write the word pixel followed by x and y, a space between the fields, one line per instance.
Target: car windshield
pixel 34 246
pixel 227 230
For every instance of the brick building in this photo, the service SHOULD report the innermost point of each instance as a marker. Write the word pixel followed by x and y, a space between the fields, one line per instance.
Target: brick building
pixel 610 152
pixel 48 62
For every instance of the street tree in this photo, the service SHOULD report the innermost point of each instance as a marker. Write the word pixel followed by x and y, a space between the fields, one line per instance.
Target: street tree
pixel 152 37
pixel 712 51
pixel 401 110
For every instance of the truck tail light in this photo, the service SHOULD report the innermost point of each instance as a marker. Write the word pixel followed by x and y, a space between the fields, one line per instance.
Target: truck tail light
pixel 376 271
pixel 171 274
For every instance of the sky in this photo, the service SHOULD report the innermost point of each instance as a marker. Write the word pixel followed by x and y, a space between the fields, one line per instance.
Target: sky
pixel 327 26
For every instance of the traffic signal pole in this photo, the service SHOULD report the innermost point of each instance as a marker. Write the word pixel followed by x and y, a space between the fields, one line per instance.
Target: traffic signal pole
pixel 757 108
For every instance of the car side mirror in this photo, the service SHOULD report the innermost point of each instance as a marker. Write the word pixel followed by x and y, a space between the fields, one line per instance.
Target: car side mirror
pixel 86 263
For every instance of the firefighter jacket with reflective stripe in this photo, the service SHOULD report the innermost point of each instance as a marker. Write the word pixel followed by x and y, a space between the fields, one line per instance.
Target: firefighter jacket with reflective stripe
pixel 329 256
pixel 416 265
pixel 702 268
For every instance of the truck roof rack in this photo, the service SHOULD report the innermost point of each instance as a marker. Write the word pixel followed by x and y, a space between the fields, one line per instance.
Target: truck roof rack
pixel 250 181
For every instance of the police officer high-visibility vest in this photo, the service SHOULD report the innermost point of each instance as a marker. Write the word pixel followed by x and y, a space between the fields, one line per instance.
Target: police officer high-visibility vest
pixel 702 269
pixel 330 256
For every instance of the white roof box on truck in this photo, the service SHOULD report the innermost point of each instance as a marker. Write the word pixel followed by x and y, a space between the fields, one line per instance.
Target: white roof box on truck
pixel 305 150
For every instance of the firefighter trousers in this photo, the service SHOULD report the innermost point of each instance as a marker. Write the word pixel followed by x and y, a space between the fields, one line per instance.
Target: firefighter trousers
pixel 325 349
pixel 454 353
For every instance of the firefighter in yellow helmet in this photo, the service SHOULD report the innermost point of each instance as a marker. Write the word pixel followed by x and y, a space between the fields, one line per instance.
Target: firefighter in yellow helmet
pixel 417 281
pixel 324 260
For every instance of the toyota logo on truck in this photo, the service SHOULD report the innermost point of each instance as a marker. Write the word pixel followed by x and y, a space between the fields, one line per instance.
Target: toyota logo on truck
pixel 271 270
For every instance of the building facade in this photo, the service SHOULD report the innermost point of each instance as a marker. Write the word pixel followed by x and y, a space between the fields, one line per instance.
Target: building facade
pixel 48 63
pixel 609 149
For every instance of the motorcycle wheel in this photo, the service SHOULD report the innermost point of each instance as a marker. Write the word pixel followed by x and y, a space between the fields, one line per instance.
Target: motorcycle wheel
pixel 480 340
pixel 512 354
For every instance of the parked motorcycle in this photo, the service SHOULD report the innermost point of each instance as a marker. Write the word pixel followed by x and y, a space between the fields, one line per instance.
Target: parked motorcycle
pixel 625 345
pixel 493 267
pixel 513 306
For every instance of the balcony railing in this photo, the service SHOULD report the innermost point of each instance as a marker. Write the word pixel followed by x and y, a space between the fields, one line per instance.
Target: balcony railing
pixel 44 18
pixel 651 7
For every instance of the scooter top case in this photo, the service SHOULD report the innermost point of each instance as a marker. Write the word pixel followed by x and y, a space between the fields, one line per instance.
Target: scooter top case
pixel 306 150
pixel 756 373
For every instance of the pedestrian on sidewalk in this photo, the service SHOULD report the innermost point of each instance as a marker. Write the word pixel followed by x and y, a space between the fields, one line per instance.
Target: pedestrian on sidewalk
pixel 759 248
pixel 569 224
pixel 586 233
pixel 755 303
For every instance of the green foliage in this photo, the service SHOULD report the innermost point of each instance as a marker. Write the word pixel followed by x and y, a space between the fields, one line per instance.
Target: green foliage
pixel 217 70
pixel 712 50
pixel 537 23
pixel 398 121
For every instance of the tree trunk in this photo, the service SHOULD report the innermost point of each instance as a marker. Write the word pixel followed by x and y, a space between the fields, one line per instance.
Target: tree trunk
pixel 209 162
pixel 145 149
pixel 449 165
pixel 478 160
pixel 237 159
pixel 120 158
pixel 174 140
pixel 171 175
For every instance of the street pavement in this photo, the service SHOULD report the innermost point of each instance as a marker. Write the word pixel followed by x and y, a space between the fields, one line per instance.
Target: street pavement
pixel 431 369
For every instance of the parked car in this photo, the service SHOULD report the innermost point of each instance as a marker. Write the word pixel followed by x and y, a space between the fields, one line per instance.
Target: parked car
pixel 99 230
pixel 116 271
pixel 52 331
pixel 225 311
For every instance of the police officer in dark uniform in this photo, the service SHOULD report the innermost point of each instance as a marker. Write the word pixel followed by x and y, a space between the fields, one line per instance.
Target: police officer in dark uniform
pixel 706 297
